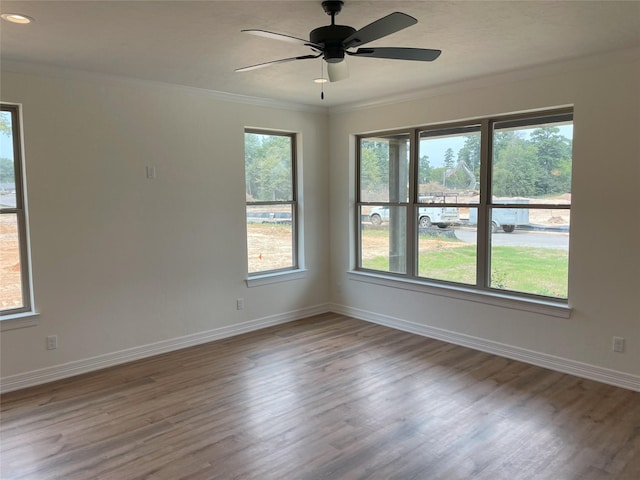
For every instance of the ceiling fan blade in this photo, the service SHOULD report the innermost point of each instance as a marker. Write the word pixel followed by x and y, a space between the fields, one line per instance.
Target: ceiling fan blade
pixel 283 60
pixel 398 53
pixel 382 27
pixel 283 37
pixel 337 71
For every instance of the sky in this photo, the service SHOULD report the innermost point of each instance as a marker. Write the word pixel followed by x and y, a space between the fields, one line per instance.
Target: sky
pixel 435 149
pixel 6 149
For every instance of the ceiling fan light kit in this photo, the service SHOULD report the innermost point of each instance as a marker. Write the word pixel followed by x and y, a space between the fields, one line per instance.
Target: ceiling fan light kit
pixel 332 42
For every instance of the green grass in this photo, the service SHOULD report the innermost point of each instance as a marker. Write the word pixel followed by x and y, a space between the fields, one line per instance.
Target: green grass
pixel 538 271
pixel 452 264
pixel 541 271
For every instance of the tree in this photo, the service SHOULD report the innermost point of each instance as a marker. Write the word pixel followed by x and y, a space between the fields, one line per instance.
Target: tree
pixel 437 175
pixel 515 171
pixel 503 138
pixel 5 123
pixel 424 170
pixel 554 159
pixel 7 174
pixel 449 179
pixel 268 167
pixel 470 153
pixel 251 146
pixel 449 162
pixel 370 182
pixel 379 151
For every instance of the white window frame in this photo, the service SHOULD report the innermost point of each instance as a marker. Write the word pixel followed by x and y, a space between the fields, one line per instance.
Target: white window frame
pixel 25 315
pixel 481 291
pixel 294 271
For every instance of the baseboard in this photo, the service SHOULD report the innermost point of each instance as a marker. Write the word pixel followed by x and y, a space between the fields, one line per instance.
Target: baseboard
pixel 579 369
pixel 66 370
pixel 564 365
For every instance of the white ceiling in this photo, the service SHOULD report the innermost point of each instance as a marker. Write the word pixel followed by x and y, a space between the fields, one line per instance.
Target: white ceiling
pixel 199 44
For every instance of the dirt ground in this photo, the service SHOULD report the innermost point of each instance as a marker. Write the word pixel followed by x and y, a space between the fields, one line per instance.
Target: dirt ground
pixel 269 247
pixel 10 279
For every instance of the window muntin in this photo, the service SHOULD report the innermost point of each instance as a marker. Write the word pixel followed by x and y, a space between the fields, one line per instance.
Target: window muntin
pixel 15 294
pixel 490 203
pixel 271 201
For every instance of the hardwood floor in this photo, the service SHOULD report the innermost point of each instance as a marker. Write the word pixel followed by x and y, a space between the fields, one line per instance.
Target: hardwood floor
pixel 328 397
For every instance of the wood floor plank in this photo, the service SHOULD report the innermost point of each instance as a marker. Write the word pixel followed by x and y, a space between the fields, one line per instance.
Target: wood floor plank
pixel 328 397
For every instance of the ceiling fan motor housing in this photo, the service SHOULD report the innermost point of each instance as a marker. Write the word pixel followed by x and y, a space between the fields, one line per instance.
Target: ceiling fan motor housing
pixel 331 36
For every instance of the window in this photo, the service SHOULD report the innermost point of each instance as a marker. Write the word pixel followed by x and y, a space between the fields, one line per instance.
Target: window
pixel 482 205
pixel 15 292
pixel 271 207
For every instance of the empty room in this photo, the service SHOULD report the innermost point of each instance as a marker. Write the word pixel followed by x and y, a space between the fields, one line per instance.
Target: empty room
pixel 320 240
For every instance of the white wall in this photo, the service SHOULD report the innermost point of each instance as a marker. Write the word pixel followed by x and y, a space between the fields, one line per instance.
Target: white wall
pixel 604 278
pixel 120 261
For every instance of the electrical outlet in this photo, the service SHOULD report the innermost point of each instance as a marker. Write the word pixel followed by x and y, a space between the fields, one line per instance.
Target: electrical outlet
pixel 52 342
pixel 618 344
pixel 240 303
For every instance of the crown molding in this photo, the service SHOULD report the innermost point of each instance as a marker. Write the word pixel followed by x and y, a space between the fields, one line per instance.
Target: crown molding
pixel 68 73
pixel 543 70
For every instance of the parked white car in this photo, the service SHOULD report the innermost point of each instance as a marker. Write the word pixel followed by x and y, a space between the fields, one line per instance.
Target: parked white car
pixel 441 217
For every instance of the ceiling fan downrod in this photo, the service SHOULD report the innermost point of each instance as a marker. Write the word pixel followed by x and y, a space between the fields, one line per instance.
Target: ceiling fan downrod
pixel 333 8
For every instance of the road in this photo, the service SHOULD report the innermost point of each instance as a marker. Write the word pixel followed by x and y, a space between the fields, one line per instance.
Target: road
pixel 8 200
pixel 520 238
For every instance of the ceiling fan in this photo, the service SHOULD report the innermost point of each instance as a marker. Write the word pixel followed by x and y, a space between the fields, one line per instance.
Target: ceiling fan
pixel 333 41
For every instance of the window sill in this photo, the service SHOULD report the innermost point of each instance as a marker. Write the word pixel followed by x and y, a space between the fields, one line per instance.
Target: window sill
pixel 19 320
pixel 555 309
pixel 270 278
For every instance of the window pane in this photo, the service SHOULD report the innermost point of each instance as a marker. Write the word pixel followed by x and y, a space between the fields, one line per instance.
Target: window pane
pixel 7 169
pixel 532 161
pixel 11 295
pixel 530 253
pixel 269 237
pixel 383 238
pixel 268 167
pixel 449 162
pixel 448 251
pixel 384 169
